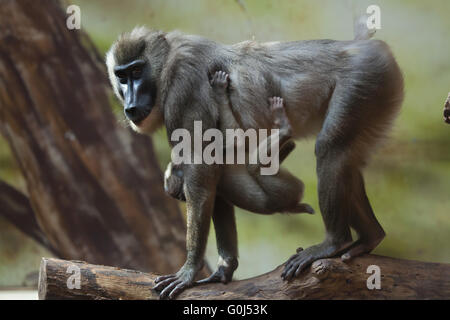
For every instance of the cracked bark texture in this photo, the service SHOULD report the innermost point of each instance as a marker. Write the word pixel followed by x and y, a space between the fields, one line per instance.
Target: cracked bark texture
pixel 325 279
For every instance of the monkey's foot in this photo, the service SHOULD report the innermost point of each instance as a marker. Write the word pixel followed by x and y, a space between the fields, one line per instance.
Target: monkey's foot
pixel 171 285
pixel 303 258
pixel 224 272
pixel 302 208
pixel 220 80
pixel 361 246
pixel 279 117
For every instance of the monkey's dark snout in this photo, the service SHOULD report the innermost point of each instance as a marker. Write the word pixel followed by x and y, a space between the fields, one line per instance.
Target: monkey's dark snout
pixel 136 113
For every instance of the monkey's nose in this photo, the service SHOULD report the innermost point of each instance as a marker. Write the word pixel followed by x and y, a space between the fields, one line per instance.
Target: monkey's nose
pixel 136 113
pixel 131 112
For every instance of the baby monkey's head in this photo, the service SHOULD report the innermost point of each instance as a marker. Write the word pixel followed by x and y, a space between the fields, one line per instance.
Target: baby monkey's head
pixel 174 181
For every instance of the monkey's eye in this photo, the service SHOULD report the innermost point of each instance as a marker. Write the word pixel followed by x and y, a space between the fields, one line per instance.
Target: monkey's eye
pixel 136 73
pixel 122 77
pixel 178 173
pixel 123 80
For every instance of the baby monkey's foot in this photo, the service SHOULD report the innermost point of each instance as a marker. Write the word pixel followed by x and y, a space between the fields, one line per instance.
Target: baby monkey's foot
pixel 220 80
pixel 279 116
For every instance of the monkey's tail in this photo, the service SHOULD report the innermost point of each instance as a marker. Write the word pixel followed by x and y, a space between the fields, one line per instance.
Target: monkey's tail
pixel 360 29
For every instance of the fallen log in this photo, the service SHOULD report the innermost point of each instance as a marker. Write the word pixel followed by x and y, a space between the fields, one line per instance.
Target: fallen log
pixel 326 279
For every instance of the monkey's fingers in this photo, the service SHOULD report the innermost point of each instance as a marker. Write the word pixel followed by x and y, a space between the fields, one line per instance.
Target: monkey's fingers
pixel 220 79
pixel 180 287
pixel 167 291
pixel 276 103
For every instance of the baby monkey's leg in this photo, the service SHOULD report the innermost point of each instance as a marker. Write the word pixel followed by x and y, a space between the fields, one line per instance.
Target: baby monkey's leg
pixel 282 192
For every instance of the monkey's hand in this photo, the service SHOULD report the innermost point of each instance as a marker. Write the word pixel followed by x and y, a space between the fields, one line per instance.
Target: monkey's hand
pixel 224 272
pixel 220 81
pixel 171 285
pixel 303 258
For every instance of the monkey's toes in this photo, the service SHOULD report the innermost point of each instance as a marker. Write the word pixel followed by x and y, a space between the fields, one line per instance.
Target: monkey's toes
pixel 170 286
pixel 297 263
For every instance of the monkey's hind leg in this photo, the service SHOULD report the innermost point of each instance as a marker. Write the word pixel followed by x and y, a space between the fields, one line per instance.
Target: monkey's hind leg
pixel 283 185
pixel 363 220
pixel 335 167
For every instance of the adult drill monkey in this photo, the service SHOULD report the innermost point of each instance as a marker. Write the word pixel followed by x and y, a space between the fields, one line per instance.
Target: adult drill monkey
pixel 243 185
pixel 348 92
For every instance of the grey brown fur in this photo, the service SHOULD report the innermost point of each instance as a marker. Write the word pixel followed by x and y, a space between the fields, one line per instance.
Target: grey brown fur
pixel 346 92
pixel 242 185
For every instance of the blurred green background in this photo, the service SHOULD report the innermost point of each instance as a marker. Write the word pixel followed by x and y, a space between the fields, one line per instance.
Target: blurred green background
pixel 408 181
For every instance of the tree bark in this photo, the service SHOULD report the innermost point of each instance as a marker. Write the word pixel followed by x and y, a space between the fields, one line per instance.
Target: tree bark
pixel 94 186
pixel 16 207
pixel 326 279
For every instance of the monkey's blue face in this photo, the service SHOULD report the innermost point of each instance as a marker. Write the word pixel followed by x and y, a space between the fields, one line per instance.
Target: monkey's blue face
pixel 136 89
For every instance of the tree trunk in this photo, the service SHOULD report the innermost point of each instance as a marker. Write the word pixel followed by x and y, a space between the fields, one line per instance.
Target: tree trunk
pixel 326 279
pixel 17 209
pixel 94 186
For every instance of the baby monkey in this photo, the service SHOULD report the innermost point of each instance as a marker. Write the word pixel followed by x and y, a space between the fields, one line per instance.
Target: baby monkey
pixel 243 185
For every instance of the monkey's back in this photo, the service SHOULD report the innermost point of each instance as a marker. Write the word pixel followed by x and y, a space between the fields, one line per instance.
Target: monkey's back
pixel 305 74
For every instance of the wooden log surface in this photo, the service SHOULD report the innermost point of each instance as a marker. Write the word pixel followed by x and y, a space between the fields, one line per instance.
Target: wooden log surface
pixel 326 279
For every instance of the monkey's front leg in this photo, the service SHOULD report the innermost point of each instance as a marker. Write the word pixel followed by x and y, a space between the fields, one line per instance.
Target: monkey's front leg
pixel 200 190
pixel 226 238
